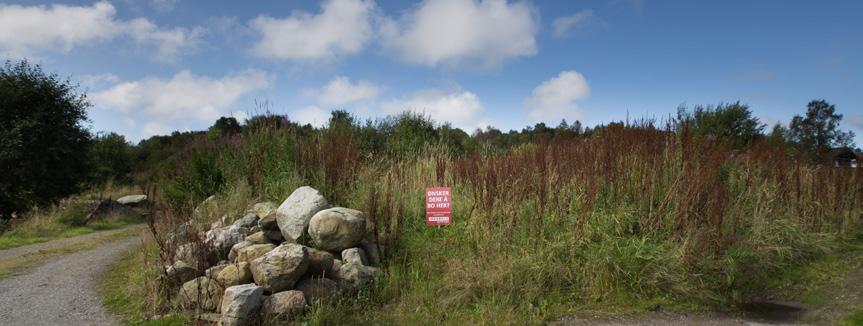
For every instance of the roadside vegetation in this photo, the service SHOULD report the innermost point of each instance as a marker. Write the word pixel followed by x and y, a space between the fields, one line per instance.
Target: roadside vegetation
pixel 549 222
pixel 66 219
pixel 702 211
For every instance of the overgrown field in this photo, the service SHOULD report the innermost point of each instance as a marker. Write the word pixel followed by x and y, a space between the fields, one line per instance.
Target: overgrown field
pixel 626 218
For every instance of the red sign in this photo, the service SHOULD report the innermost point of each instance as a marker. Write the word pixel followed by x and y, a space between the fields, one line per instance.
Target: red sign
pixel 438 206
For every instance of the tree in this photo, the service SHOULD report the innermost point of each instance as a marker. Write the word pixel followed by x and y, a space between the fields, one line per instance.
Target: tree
pixel 729 123
pixel 224 126
pixel 778 135
pixel 43 140
pixel 111 158
pixel 818 132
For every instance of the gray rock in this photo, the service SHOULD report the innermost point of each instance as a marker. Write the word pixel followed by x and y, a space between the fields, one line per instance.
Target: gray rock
pixel 280 268
pixel 284 306
pixel 315 288
pixel 133 200
pixel 179 234
pixel 265 208
pixel 201 293
pixel 354 256
pixel 275 236
pixel 257 238
pixel 334 270
pixel 180 272
pixel 223 238
pixel 296 211
pixel 255 229
pixel 209 317
pixel 337 229
pixel 232 254
pixel 190 253
pixel 356 275
pixel 247 221
pixel 206 207
pixel 238 304
pixel 235 274
pixel 270 222
pixel 213 272
pixel 250 253
pixel 373 252
pixel 320 262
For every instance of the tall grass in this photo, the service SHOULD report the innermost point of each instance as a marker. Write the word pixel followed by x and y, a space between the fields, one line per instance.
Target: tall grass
pixel 629 214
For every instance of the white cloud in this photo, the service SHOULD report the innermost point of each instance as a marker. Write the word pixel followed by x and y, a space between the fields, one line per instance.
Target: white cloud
pixel 155 128
pixel 95 81
pixel 313 115
pixel 182 99
pixel 463 109
pixel 579 20
pixel 556 98
pixel 451 33
pixel 342 28
pixel 168 44
pixel 31 30
pixel 341 91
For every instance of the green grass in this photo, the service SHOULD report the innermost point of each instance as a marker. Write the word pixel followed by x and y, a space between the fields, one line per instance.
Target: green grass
pixel 60 222
pixel 854 320
pixel 127 290
pixel 827 285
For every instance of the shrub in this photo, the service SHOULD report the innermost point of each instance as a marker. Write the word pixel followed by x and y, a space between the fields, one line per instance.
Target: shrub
pixel 43 141
pixel 111 158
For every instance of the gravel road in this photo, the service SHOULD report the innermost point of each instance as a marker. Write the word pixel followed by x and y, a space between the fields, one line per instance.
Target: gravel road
pixel 64 291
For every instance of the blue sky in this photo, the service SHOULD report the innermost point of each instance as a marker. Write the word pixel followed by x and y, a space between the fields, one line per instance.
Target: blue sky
pixel 150 67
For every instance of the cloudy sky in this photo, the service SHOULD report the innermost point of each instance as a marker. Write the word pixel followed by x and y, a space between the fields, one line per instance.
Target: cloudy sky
pixel 154 66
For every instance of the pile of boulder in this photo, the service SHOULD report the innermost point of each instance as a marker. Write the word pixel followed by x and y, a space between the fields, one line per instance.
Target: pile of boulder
pixel 265 272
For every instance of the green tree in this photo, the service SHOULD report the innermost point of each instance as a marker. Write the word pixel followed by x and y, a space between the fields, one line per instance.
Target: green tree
pixel 730 123
pixel 818 132
pixel 778 135
pixel 223 127
pixel 111 158
pixel 411 132
pixel 43 140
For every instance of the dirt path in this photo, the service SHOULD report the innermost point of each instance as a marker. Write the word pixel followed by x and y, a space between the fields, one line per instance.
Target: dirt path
pixel 64 290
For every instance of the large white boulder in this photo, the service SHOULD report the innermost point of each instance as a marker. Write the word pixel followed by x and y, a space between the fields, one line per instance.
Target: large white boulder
pixel 337 228
pixel 294 213
pixel 133 200
pixel 238 304
pixel 281 268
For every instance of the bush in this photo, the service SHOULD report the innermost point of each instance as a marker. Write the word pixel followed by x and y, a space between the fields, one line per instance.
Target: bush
pixel 111 158
pixel 729 123
pixel 43 141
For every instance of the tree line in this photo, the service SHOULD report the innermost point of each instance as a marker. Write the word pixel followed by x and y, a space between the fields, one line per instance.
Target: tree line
pixel 47 151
